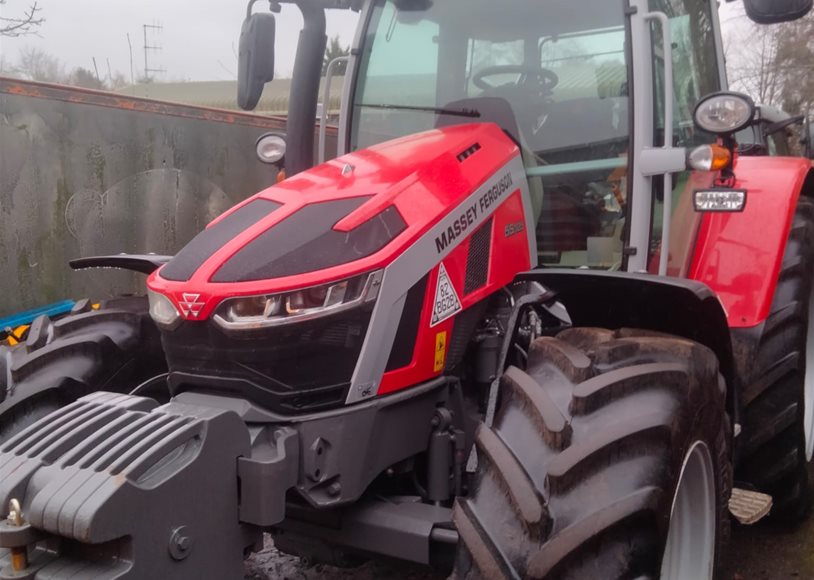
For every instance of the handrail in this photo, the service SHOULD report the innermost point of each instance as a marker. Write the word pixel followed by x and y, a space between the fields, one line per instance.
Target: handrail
pixel 326 101
pixel 577 167
pixel 667 42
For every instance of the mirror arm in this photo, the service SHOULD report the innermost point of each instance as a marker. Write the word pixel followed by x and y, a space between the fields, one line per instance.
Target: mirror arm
pixel 780 125
pixel 304 93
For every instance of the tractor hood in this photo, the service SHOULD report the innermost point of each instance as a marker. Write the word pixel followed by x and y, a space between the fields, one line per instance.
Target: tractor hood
pixel 350 216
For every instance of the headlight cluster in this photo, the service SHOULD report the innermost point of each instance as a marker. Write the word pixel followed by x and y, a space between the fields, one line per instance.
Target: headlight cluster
pixel 298 305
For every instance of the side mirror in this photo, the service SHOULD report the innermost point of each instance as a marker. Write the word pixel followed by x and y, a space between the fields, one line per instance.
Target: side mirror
pixel 773 11
pixel 256 57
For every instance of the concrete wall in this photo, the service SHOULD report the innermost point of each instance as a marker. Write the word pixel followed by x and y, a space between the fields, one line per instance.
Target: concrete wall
pixel 86 173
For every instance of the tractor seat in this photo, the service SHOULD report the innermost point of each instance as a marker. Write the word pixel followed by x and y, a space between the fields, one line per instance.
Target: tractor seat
pixel 499 111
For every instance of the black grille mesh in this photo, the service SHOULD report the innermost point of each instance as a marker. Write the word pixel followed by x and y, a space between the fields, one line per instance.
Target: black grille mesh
pixel 477 263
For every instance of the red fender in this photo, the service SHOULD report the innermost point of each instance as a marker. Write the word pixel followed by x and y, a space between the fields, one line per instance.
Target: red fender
pixel 739 255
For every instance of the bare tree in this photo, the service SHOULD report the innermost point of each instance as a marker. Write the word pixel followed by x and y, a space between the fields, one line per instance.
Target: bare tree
pixel 332 51
pixel 795 66
pixel 753 69
pixel 38 65
pixel 27 22
pixel 82 77
pixel 775 64
pixel 117 81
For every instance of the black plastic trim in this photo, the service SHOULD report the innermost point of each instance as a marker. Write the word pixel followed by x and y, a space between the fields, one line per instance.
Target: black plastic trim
pixel 404 343
pixel 307 242
pixel 204 245
pixel 142 263
pixel 623 300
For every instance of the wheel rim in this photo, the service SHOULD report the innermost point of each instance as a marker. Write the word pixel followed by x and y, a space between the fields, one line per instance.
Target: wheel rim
pixel 808 382
pixel 690 549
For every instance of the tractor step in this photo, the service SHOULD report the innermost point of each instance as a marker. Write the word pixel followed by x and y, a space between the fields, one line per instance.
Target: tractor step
pixel 749 507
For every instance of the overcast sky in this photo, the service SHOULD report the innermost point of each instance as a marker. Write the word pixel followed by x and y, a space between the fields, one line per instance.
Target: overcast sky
pixel 198 39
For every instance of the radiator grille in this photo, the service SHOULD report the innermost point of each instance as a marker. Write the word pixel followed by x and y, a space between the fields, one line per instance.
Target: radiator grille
pixel 477 263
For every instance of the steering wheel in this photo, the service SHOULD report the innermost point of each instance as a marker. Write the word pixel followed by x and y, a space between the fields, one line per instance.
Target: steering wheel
pixel 545 79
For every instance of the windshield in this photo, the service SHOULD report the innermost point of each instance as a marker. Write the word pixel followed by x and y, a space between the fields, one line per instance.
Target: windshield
pixel 561 66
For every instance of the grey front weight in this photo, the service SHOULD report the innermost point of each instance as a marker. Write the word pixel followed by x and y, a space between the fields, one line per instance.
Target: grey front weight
pixel 117 487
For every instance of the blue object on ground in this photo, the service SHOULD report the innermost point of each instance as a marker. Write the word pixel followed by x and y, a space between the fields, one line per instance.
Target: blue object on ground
pixel 27 317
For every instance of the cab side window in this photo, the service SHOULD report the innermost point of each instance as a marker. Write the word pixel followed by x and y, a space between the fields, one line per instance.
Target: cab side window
pixel 695 75
pixel 695 64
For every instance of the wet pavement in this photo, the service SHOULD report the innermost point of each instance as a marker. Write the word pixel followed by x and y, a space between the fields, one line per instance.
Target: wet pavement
pixel 765 552
pixel 759 552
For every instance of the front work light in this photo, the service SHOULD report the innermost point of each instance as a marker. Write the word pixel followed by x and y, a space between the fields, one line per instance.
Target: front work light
pixel 271 148
pixel 719 200
pixel 724 113
pixel 253 312
pixel 162 310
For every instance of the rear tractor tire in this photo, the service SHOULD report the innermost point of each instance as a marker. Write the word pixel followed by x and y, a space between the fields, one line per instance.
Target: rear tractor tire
pixel 607 458
pixel 114 348
pixel 778 401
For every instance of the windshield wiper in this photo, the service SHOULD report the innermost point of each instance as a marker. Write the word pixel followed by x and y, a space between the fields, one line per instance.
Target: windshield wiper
pixel 471 113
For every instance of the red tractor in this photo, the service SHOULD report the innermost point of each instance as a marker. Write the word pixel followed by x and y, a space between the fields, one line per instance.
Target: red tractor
pixel 528 323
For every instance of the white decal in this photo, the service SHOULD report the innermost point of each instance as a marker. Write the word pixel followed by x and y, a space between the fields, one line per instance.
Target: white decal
pixel 191 305
pixel 446 302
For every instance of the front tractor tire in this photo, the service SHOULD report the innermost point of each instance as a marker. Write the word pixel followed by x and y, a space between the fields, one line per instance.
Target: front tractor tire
pixel 778 401
pixel 607 458
pixel 113 348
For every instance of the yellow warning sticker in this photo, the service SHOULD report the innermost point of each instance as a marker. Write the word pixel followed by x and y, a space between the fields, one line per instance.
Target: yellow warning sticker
pixel 16 336
pixel 440 351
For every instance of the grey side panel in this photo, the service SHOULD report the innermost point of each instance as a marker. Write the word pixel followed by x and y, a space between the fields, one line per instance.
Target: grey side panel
pixel 408 269
pixel 333 456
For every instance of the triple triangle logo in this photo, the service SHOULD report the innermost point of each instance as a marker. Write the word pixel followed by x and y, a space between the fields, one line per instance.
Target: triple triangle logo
pixel 446 303
pixel 191 305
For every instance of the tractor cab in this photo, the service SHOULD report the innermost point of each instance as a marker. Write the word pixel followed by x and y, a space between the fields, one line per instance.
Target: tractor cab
pixel 582 87
pixel 553 76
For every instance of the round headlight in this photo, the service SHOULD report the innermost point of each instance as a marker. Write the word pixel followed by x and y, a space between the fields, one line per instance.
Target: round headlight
pixel 270 148
pixel 724 113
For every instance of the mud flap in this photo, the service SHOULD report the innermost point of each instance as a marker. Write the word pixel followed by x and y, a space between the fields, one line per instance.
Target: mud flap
pixel 121 488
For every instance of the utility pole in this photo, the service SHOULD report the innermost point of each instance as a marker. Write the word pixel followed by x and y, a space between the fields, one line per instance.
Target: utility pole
pixel 96 70
pixel 155 29
pixel 132 76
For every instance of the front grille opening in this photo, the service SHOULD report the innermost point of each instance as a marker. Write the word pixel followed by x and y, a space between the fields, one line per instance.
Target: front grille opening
pixel 292 369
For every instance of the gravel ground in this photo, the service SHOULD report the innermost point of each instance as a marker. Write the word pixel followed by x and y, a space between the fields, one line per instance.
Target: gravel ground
pixel 764 552
pixel 272 565
pixel 760 552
